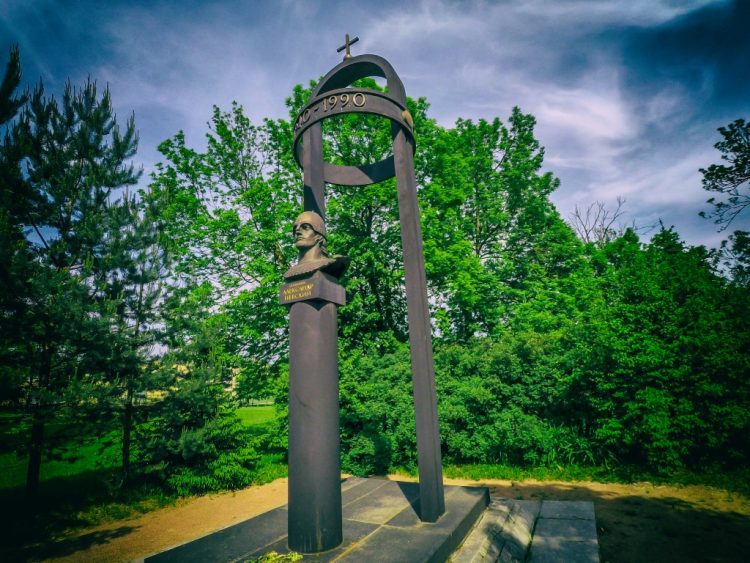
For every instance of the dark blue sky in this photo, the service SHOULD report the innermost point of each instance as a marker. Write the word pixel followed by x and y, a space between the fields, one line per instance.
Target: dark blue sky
pixel 627 94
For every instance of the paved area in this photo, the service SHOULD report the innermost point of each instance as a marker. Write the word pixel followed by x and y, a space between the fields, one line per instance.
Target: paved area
pixel 381 523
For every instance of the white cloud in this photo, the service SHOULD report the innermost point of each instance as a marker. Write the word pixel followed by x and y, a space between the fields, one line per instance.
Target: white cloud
pixel 558 60
pixel 632 12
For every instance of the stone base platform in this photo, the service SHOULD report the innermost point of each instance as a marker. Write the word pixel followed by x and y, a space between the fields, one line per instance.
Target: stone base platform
pixel 380 524
pixel 534 531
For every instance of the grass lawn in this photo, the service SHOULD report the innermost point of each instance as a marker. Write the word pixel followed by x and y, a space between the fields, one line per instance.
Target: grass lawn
pixel 91 456
pixel 79 484
pixel 253 416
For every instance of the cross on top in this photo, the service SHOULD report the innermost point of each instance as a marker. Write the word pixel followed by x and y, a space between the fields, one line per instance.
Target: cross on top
pixel 346 46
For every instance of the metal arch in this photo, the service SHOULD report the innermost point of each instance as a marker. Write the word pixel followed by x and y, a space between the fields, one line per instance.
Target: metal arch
pixel 379 104
pixel 339 77
pixel 362 66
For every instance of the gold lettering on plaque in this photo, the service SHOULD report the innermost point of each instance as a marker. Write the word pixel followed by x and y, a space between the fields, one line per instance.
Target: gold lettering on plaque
pixel 297 290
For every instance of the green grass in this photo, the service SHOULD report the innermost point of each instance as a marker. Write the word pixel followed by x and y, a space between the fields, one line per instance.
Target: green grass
pixel 96 455
pixel 79 484
pixel 735 480
pixel 254 416
pixel 557 473
pixel 73 459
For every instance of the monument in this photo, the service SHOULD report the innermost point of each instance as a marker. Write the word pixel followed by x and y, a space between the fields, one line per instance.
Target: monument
pixel 312 292
pixel 382 520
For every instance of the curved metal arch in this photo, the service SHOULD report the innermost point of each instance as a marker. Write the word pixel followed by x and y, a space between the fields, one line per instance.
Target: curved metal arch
pixel 339 77
pixel 379 104
pixel 362 66
pixel 316 173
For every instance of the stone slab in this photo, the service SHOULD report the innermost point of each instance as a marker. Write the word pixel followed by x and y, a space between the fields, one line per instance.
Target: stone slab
pixel 380 506
pixel 380 524
pixel 566 552
pixel 568 530
pixel 228 544
pixel 583 510
pixel 503 533
pixel 360 490
pixel 513 531
pixel 565 532
pixel 353 533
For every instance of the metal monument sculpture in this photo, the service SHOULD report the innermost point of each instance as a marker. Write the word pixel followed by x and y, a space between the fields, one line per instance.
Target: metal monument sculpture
pixel 313 293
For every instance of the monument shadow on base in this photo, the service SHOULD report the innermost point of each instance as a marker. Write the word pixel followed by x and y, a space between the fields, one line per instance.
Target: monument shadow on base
pixel 380 523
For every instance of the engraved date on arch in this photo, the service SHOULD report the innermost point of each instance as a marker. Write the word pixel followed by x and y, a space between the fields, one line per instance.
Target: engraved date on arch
pixel 330 103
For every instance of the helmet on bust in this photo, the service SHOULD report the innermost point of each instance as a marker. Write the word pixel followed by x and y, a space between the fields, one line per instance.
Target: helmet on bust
pixel 314 220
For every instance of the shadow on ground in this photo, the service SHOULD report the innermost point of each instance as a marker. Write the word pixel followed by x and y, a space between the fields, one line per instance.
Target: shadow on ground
pixel 651 523
pixel 67 546
pixel 48 528
pixel 637 522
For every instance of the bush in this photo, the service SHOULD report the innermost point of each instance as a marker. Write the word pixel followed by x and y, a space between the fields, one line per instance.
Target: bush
pixel 487 412
pixel 196 445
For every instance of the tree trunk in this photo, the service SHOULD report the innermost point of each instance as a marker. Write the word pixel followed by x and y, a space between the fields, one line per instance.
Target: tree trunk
pixel 35 453
pixel 127 430
pixel 36 442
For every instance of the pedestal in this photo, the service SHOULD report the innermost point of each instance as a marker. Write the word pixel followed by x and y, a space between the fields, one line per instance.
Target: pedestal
pixel 315 522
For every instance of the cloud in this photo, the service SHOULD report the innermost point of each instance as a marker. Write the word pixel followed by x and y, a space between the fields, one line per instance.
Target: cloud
pixel 627 94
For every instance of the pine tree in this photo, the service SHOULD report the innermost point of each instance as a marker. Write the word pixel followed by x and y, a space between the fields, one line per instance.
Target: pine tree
pixel 128 280
pixel 75 160
pixel 16 262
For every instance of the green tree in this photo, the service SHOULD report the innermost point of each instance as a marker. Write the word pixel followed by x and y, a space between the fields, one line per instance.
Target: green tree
pixel 75 157
pixel 663 362
pixel 227 214
pixel 737 257
pixel 486 210
pixel 548 349
pixel 16 262
pixel 194 439
pixel 733 180
pixel 128 279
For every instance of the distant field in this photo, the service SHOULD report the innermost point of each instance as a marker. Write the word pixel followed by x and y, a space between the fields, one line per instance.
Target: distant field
pixel 252 416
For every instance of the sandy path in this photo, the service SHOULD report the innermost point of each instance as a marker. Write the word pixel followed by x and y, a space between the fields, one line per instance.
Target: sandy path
pixel 636 522
pixel 134 538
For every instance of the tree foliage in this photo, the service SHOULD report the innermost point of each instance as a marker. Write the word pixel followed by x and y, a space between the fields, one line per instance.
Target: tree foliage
pixel 154 312
pixel 731 181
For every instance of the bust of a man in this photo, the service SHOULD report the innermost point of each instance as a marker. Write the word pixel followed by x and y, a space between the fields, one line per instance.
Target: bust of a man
pixel 309 231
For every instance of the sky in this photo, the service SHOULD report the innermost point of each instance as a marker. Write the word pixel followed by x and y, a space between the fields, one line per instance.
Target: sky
pixel 628 95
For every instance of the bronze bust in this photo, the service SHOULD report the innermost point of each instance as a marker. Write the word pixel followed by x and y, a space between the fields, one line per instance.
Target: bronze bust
pixel 309 232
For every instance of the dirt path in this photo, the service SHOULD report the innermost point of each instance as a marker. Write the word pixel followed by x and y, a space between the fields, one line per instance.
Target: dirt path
pixel 638 522
pixel 134 538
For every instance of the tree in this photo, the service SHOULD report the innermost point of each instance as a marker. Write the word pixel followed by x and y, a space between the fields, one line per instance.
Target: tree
pixel 75 158
pixel 9 103
pixel 572 351
pixel 16 262
pixel 737 257
pixel 194 439
pixel 734 180
pixel 596 224
pixel 661 360
pixel 227 215
pixel 128 281
pixel 487 211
